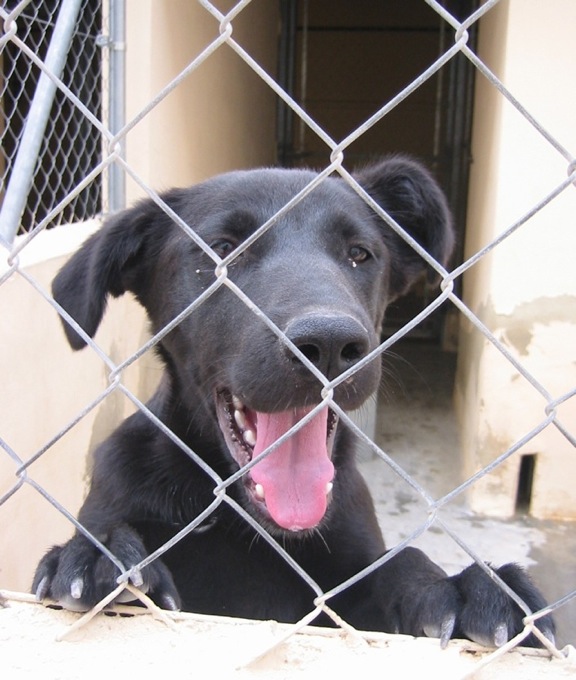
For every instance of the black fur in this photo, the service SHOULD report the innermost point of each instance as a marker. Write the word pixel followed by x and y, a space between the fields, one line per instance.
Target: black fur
pixel 324 274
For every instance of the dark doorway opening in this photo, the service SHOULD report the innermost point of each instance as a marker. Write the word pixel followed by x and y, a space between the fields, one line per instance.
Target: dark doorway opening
pixel 343 61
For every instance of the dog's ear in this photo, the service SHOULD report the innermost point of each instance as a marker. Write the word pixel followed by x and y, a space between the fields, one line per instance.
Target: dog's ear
pixel 108 263
pixel 409 194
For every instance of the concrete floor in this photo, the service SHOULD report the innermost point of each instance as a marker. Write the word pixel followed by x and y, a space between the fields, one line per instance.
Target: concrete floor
pixel 416 426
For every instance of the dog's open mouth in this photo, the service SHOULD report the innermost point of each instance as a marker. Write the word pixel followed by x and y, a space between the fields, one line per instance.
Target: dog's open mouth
pixel 291 484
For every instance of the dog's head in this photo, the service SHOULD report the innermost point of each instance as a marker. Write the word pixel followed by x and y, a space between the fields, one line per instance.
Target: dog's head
pixel 290 313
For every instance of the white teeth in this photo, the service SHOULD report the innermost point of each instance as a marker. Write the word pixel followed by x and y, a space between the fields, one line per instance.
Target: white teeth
pixel 259 490
pixel 249 437
pixel 329 487
pixel 240 419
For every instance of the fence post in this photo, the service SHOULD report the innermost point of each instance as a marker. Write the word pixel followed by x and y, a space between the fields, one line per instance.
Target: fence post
pixel 29 148
pixel 117 95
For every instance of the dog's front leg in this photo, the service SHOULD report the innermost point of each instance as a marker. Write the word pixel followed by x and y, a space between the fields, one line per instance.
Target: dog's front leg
pixel 78 574
pixel 419 598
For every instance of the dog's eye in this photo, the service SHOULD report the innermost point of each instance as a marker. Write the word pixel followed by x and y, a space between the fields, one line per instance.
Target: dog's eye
pixel 222 247
pixel 357 254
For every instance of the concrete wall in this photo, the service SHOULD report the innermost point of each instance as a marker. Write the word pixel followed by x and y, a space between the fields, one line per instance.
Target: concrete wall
pixel 221 118
pixel 525 290
pixel 45 385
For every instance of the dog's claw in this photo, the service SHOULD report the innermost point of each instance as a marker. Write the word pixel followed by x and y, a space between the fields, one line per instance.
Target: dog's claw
pixel 42 589
pixel 136 578
pixel 549 635
pixel 501 635
pixel 169 603
pixel 446 630
pixel 76 587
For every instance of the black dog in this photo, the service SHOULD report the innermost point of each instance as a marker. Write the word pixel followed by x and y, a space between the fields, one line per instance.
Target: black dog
pixel 323 274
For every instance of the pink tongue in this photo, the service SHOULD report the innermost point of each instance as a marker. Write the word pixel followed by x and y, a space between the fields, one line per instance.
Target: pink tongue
pixel 295 475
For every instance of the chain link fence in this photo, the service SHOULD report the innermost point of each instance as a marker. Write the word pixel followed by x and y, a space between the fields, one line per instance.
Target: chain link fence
pixel 77 148
pixel 71 145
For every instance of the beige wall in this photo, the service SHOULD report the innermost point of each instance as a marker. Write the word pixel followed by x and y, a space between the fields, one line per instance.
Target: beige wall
pixel 44 387
pixel 525 291
pixel 221 118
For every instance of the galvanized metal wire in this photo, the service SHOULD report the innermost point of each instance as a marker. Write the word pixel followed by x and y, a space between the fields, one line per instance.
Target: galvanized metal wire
pixel 57 140
pixel 71 190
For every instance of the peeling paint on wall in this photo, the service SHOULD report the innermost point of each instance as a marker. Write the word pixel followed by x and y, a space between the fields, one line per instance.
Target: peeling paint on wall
pixel 518 327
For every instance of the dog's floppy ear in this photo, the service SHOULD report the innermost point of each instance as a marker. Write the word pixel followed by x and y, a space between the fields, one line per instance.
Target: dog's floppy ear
pixel 409 194
pixel 106 264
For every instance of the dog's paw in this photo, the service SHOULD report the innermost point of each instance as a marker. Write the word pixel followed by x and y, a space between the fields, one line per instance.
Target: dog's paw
pixel 489 616
pixel 472 605
pixel 77 575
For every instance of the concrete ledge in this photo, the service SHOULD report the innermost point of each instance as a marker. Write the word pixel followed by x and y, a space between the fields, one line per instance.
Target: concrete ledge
pixel 52 243
pixel 139 645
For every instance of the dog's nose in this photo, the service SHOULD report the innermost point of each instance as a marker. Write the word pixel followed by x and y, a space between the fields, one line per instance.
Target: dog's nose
pixel 332 342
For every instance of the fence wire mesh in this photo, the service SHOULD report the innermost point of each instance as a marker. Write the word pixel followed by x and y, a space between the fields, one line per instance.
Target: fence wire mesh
pixel 71 146
pixel 77 149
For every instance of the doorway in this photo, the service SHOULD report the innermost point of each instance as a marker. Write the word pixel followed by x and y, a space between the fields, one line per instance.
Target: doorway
pixel 341 62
